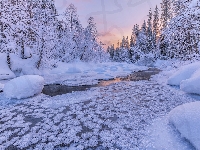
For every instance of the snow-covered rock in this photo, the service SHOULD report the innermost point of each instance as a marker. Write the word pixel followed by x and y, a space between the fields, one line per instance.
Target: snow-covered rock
pixel 24 86
pixel 186 119
pixel 5 72
pixel 183 73
pixel 192 85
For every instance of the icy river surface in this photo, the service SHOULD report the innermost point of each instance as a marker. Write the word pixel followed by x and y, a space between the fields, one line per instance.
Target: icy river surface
pixel 102 117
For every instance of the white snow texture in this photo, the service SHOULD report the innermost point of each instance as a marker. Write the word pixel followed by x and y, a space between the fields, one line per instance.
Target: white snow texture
pixel 5 72
pixel 184 73
pixel 24 87
pixel 188 77
pixel 186 120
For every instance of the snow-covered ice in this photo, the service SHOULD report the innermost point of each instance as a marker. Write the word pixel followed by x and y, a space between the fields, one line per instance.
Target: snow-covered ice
pixel 118 116
pixel 5 72
pixel 186 119
pixel 24 86
pixel 108 117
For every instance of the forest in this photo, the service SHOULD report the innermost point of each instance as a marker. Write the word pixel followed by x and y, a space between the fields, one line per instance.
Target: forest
pixel 169 33
pixel 32 29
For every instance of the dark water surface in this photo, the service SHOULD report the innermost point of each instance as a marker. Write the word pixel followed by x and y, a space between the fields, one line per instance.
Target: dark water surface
pixel 57 89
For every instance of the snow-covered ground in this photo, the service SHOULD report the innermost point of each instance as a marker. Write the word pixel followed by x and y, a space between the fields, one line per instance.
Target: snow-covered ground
pixel 124 115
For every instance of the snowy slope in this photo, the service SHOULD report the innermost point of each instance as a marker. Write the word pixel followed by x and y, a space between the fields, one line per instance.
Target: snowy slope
pixel 186 119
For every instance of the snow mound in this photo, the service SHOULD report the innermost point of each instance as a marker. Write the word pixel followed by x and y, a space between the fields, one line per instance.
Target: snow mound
pixel 24 66
pixel 24 86
pixel 191 85
pixel 184 73
pixel 186 119
pixel 5 72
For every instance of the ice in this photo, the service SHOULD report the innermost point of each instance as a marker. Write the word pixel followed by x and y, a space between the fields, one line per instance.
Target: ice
pixel 24 86
pixel 185 72
pixel 186 120
pixel 5 72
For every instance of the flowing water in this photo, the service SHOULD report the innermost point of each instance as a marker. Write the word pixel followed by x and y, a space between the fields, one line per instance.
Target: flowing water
pixel 57 89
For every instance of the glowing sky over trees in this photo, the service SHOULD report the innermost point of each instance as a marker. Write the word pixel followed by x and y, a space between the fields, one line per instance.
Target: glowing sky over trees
pixel 114 18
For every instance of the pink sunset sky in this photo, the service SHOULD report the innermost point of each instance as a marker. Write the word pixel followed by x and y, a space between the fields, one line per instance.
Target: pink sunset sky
pixel 114 18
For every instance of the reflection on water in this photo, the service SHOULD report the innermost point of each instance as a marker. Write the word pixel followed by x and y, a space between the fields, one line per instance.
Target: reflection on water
pixel 57 89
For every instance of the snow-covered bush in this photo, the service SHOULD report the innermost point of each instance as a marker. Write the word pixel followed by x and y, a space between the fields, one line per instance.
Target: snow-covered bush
pixel 24 66
pixel 183 73
pixel 186 119
pixel 5 72
pixel 24 87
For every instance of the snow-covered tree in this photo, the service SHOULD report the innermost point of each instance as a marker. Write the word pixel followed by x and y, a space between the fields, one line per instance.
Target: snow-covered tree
pixel 183 32
pixel 156 29
pixel 166 13
pixel 44 15
pixel 111 50
pixel 74 32
pixel 92 49
pixel 150 36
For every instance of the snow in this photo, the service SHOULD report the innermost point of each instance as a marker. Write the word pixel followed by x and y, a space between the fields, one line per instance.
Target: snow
pixel 192 85
pixel 1 87
pixel 24 66
pixel 114 116
pixel 5 72
pixel 162 136
pixel 185 72
pixel 123 115
pixel 80 73
pixel 186 119
pixel 24 87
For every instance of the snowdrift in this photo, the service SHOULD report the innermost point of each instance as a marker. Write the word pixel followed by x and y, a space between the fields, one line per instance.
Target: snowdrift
pixel 183 73
pixel 5 72
pixel 192 85
pixel 24 87
pixel 186 119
